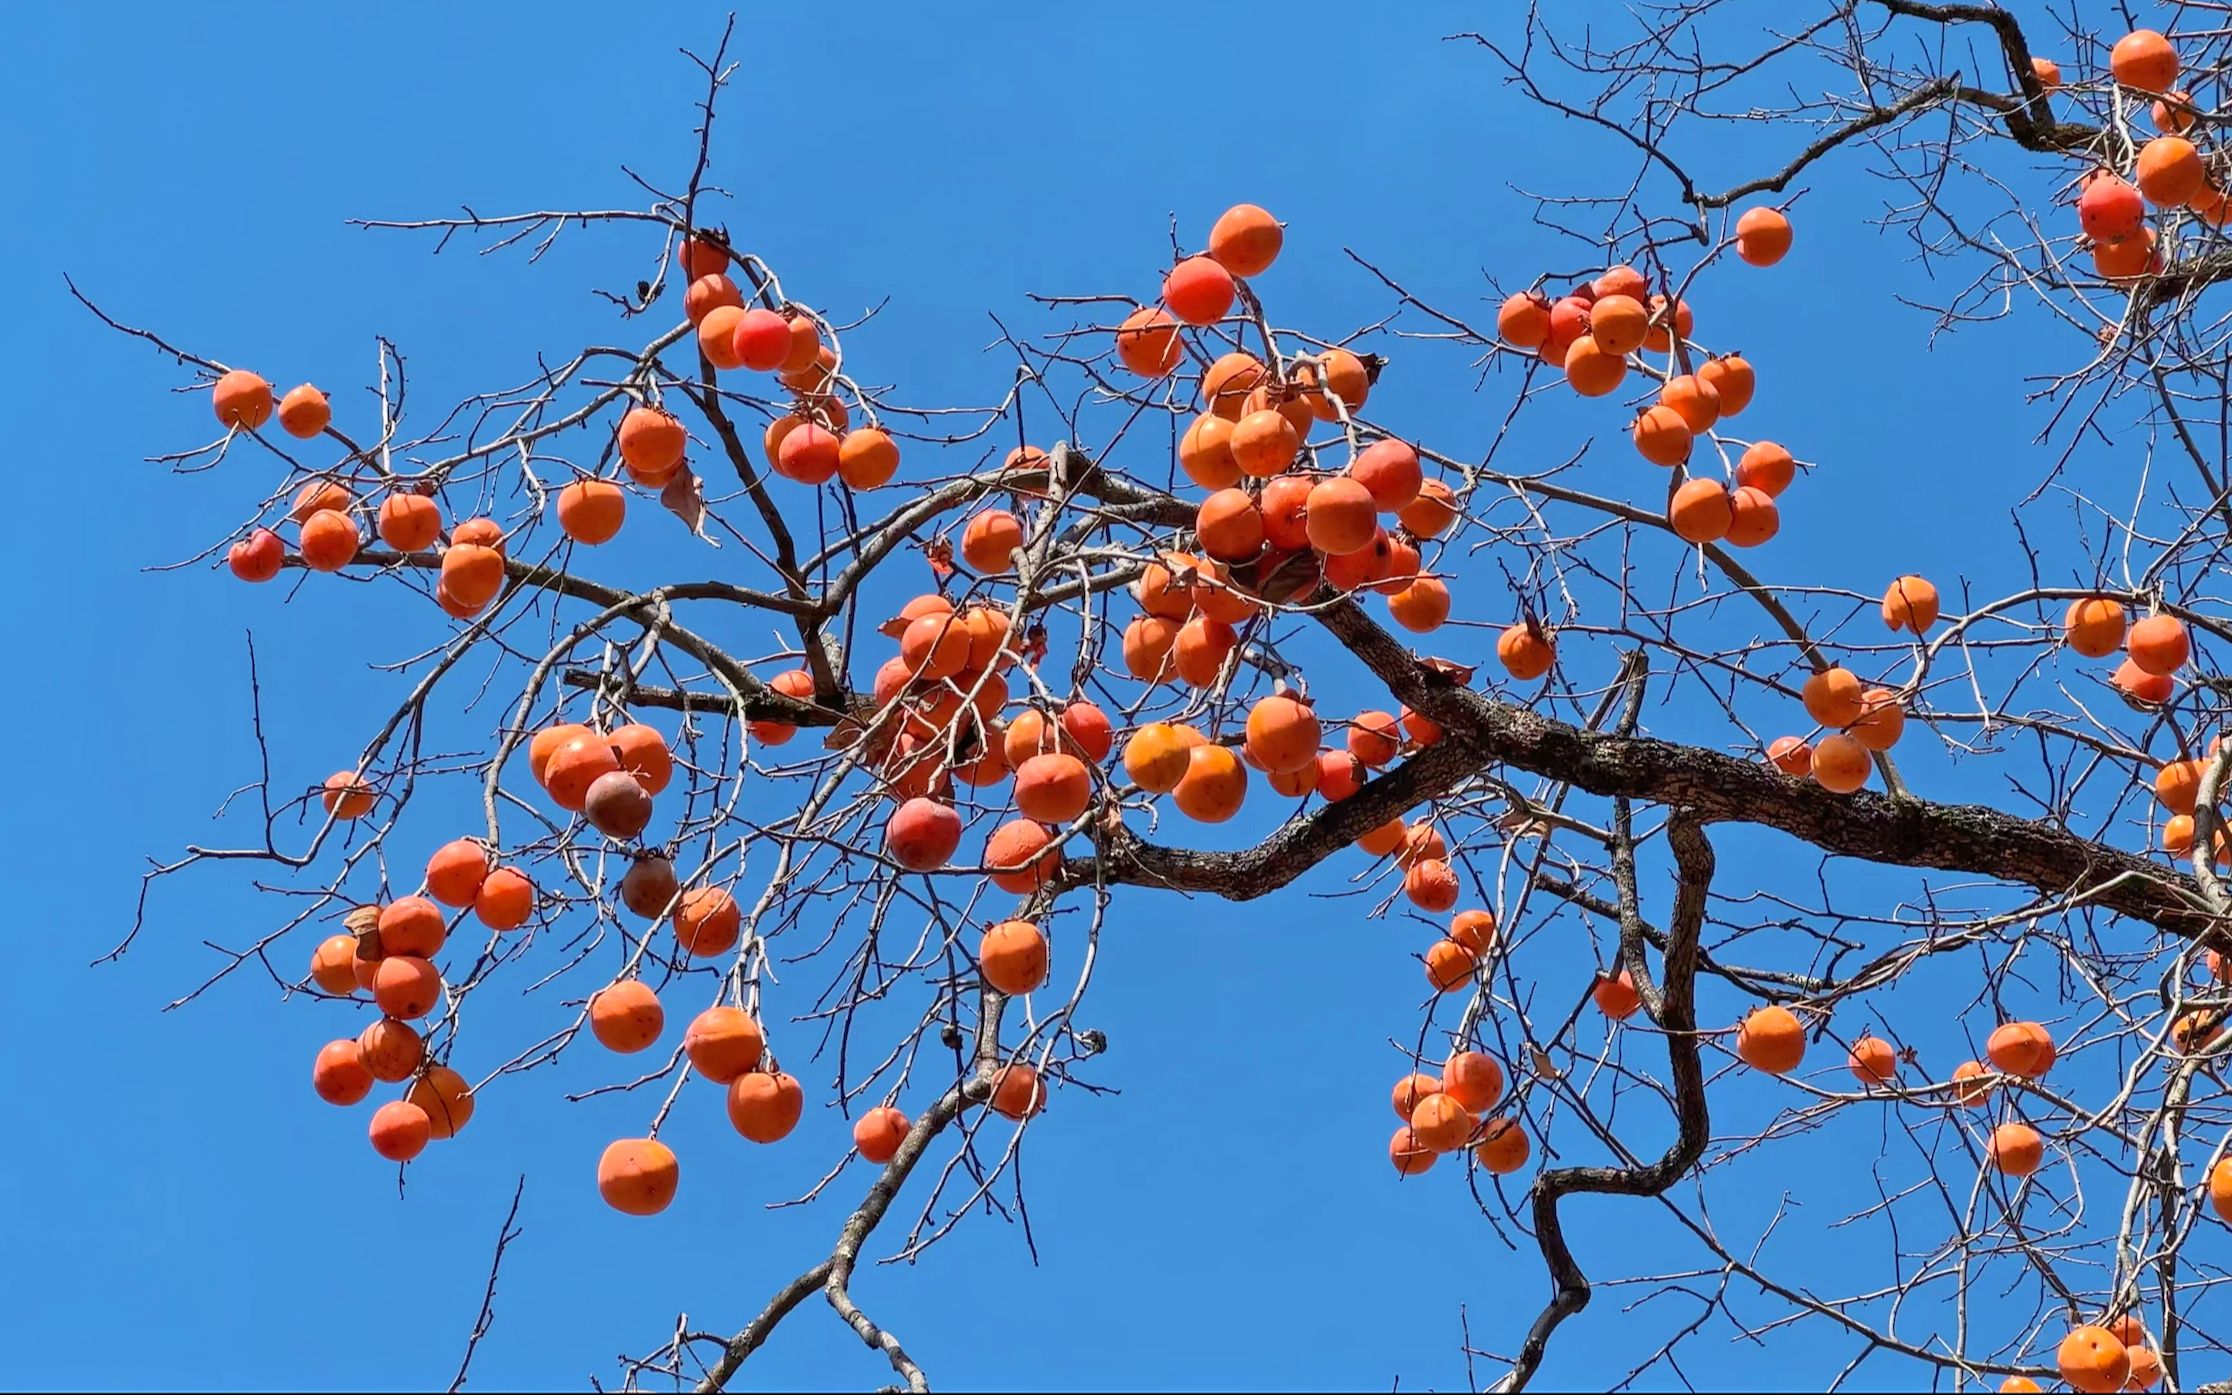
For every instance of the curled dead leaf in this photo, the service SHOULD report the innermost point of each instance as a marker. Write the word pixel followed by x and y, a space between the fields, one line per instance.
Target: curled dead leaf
pixel 684 497
pixel 361 919
pixel 1538 1060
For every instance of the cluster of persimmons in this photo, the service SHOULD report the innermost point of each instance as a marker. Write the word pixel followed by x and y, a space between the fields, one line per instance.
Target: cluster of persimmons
pixel 1273 524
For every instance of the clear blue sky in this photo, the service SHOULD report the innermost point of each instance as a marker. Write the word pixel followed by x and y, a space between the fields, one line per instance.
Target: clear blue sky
pixel 178 1209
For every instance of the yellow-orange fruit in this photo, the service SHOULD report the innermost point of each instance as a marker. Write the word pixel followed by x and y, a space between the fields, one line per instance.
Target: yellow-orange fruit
pixel 329 541
pixel 1282 733
pixel 2178 784
pixel 391 1050
pixel 1619 323
pixel 1732 377
pixel 347 795
pixel 1762 236
pixel 1263 443
pixel 406 987
pixel 1503 1146
pixel 1696 401
pixel 1771 1039
pixel 1615 995
pixel 1345 383
pixel 1474 929
pixel 339 1075
pixel 1972 1085
pixel 399 1131
pixel 2145 60
pixel 2094 626
pixel 1662 437
pixel 1226 383
pixel 724 1043
pixel 652 442
pixel 716 336
pixel 591 511
pixel 1053 788
pixel 1791 755
pixel 1753 518
pixel 1431 885
pixel 1834 697
pixel 1873 1062
pixel 1205 452
pixel 1441 1123
pixel 867 458
pixel 1214 785
pixel 1156 756
pixel 1245 240
pixel 1473 1079
pixel 2021 1048
pixel 1591 369
pixel 1700 511
pixel 1017 1092
pixel 1431 513
pixel 1881 720
pixel 1410 1090
pixel 2170 172
pixel 1420 607
pixel 1766 467
pixel 333 965
pixel 1013 956
pixel 765 1106
pixel 304 412
pixel 2016 1149
pixel 1409 1154
pixel 1449 965
pixel 2091 1360
pixel 1390 470
pixel 1911 603
pixel 878 1134
pixel 638 1176
pixel 1840 764
pixel 241 399
pixel 1022 855
pixel 626 1016
pixel 412 925
pixel 505 899
pixel 1147 342
pixel 2158 645
pixel 1229 526
pixel 1523 320
pixel 1525 653
pixel 707 921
